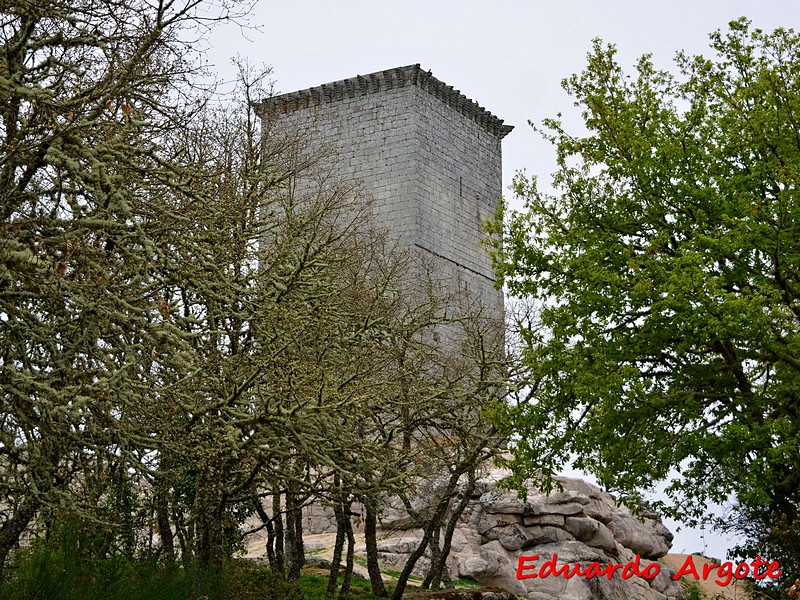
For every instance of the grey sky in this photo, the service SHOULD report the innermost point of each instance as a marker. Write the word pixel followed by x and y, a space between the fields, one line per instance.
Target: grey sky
pixel 508 55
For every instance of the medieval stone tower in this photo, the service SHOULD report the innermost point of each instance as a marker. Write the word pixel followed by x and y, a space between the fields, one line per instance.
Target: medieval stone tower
pixel 429 157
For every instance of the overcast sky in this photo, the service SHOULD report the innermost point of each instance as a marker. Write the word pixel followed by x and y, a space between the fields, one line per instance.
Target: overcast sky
pixel 508 55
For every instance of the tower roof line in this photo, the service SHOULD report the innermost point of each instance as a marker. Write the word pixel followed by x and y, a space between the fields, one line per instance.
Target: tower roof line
pixel 389 79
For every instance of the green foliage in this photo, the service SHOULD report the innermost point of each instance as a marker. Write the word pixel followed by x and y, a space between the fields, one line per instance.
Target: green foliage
pixel 86 100
pixel 664 274
pixel 691 590
pixel 769 533
pixel 196 314
pixel 467 584
pixel 50 572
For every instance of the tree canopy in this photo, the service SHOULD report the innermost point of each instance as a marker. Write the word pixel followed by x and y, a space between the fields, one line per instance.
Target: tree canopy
pixel 199 326
pixel 663 277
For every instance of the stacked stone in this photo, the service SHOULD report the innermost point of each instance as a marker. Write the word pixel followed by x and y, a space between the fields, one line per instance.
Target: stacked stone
pixel 580 524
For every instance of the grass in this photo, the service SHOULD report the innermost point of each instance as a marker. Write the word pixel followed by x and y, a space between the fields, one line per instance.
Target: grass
pixel 48 573
pixel 459 583
pixel 396 575
pixel 313 587
pixel 54 574
pixel 691 590
pixel 467 583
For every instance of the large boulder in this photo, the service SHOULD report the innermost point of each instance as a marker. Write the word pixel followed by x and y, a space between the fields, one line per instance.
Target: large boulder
pixel 577 525
pixel 649 538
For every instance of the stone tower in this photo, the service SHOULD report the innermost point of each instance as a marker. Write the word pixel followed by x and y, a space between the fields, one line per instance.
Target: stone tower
pixel 429 157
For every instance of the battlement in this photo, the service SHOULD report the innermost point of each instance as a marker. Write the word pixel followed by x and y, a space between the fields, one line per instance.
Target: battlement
pixel 382 81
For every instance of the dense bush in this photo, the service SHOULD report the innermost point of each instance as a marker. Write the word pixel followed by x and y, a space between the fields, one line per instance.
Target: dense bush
pixel 57 572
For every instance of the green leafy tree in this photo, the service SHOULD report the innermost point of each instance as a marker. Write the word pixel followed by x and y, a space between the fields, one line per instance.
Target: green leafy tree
pixel 664 271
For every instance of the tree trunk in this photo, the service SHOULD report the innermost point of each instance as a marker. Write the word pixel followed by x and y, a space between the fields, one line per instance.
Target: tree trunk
pixel 438 572
pixel 338 511
pixel 371 541
pixel 185 533
pixel 163 525
pixel 351 543
pixel 299 548
pixel 268 523
pixel 295 559
pixel 435 554
pixel 270 546
pixel 432 525
pixel 208 517
pixel 402 581
pixel 277 519
pixel 13 528
pixel 451 527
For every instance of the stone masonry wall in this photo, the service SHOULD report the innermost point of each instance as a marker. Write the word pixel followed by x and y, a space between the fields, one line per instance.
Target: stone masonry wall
pixel 426 155
pixel 370 140
pixel 459 181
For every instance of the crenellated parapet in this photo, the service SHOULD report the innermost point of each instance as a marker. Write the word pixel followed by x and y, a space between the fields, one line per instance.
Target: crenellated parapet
pixel 383 81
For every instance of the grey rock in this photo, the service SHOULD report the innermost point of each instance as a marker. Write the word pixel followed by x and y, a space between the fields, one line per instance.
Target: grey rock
pixel 491 520
pixel 554 520
pixel 310 546
pixel 501 571
pixel 392 561
pixel 663 581
pixel 515 537
pixel 568 496
pixel 570 508
pixel 650 539
pixel 473 567
pixel 460 542
pixel 398 546
pixel 594 533
pixel 546 534
pixel 392 517
pixel 508 503
pixel 579 524
pixel 600 510
pixel 604 539
pixel 583 528
pixel 569 552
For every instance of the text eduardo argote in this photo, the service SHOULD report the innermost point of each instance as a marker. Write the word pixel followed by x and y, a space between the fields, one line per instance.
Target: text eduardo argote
pixel 528 567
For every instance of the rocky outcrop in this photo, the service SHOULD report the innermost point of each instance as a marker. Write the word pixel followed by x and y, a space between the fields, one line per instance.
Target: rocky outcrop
pixel 578 525
pixel 485 594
